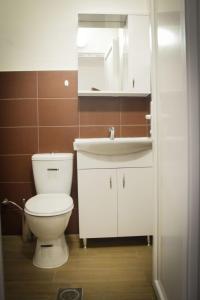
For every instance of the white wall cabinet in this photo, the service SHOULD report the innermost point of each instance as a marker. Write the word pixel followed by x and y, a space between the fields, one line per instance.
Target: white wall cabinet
pixel 115 202
pixel 139 54
pixel 115 58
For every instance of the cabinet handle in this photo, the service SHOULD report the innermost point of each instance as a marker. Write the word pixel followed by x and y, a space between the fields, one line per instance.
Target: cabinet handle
pixel 123 181
pixel 133 82
pixel 110 182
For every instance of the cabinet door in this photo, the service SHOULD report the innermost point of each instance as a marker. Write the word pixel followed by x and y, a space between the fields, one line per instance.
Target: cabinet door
pixel 139 53
pixel 135 202
pixel 97 192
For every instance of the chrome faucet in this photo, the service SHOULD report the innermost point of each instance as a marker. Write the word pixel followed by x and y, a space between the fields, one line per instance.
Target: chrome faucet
pixel 112 133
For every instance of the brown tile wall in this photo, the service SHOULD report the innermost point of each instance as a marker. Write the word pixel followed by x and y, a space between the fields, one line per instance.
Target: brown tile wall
pixel 39 114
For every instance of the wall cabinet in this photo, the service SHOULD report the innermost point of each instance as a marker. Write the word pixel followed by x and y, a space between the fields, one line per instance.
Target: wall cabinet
pixel 115 202
pixel 139 54
pixel 116 57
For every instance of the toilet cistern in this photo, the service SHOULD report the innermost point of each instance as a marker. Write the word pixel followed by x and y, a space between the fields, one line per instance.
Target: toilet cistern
pixel 112 133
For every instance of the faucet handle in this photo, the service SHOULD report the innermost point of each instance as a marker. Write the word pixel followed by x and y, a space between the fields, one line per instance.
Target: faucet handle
pixel 112 133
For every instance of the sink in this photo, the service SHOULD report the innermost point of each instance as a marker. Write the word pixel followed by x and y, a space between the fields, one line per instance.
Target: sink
pixel 118 146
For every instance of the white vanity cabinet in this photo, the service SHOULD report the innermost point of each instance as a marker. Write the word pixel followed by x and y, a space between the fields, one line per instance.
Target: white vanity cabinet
pixel 115 195
pixel 135 201
pixel 97 189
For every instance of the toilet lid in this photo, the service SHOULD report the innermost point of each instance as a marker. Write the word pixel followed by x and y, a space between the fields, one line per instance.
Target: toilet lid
pixel 49 205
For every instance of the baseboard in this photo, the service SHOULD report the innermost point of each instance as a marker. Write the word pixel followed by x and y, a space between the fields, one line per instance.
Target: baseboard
pixel 73 237
pixel 159 290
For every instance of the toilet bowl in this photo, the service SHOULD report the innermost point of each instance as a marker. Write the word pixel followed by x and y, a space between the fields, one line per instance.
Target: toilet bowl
pixel 48 212
pixel 48 216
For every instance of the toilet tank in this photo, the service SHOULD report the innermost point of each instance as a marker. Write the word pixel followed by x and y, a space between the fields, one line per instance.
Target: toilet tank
pixel 52 172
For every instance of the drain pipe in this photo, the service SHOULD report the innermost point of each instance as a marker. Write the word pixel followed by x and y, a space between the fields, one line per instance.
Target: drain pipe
pixel 26 233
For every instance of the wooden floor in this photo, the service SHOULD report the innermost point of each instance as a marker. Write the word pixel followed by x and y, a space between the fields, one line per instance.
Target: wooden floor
pixel 106 270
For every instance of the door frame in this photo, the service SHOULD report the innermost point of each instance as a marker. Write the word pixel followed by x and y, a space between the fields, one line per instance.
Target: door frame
pixel 192 36
pixel 1 266
pixel 192 21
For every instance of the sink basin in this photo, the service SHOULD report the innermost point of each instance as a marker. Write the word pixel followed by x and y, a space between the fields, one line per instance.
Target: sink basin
pixel 118 146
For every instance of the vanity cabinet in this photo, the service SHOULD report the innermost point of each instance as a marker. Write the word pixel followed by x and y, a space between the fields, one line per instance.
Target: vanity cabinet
pixel 135 201
pixel 97 203
pixel 115 201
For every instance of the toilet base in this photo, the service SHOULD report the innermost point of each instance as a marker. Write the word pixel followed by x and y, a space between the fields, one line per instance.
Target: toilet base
pixel 51 254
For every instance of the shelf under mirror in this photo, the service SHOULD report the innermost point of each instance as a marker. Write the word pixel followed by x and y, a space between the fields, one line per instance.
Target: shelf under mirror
pixel 85 93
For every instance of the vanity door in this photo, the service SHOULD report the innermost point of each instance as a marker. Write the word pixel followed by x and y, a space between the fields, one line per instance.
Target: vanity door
pixel 97 190
pixel 135 201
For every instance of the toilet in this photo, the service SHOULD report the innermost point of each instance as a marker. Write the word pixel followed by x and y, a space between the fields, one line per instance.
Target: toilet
pixel 48 213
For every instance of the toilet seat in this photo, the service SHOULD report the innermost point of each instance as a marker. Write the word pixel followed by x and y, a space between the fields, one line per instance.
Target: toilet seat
pixel 49 205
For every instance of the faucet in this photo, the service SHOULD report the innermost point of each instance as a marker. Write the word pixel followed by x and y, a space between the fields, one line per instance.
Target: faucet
pixel 112 133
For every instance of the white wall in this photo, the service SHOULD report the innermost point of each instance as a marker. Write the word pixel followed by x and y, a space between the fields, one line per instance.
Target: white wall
pixel 171 144
pixel 41 34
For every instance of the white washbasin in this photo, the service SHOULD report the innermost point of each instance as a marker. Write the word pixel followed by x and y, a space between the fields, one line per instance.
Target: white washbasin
pixel 118 146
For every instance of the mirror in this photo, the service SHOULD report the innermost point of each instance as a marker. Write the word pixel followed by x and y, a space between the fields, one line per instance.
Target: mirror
pixel 113 53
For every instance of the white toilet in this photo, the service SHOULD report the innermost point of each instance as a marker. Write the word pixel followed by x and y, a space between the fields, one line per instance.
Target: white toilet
pixel 48 212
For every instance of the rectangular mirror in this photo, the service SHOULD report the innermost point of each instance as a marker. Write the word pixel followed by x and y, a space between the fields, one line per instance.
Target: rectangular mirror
pixel 113 53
